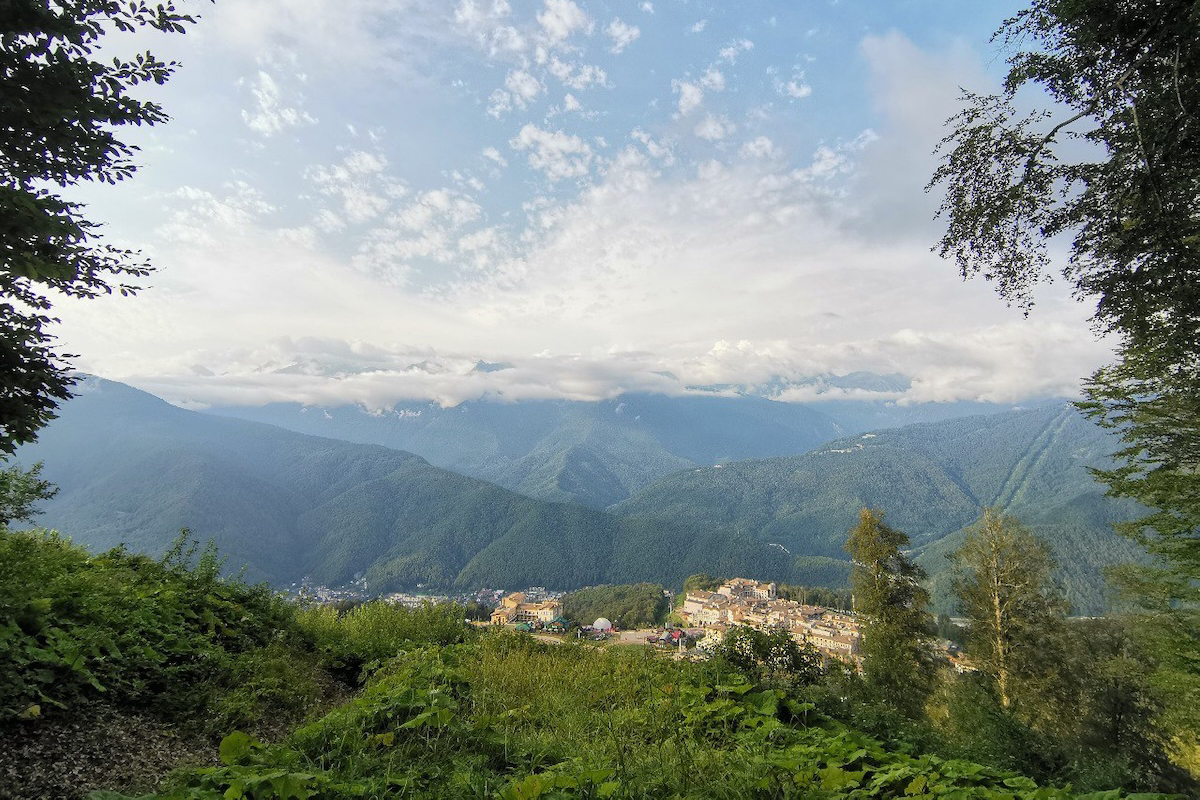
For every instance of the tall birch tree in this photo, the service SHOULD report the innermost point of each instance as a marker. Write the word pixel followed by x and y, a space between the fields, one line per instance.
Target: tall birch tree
pixel 1003 581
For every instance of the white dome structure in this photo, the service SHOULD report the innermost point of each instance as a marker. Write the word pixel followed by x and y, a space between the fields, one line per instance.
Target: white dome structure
pixel 602 624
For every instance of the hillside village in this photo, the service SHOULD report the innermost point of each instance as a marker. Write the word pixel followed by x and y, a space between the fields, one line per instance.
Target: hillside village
pixel 708 615
pixel 755 604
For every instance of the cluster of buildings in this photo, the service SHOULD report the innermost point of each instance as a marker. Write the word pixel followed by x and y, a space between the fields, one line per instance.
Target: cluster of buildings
pixel 538 611
pixel 307 593
pixel 745 602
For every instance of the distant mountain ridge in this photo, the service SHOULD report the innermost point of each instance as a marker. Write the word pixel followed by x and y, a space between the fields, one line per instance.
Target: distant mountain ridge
pixel 600 453
pixel 595 454
pixel 132 469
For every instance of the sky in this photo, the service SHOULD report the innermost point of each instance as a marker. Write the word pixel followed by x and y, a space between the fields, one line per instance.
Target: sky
pixel 372 201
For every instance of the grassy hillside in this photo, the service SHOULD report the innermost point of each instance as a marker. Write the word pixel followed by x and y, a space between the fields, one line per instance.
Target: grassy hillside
pixel 116 668
pixel 931 480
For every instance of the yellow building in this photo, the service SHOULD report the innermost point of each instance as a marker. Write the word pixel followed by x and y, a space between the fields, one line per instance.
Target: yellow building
pixel 513 609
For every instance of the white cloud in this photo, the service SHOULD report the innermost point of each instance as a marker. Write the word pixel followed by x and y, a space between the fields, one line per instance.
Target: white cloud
pixel 499 103
pixel 361 185
pixel 198 216
pixel 914 92
pixel 577 76
pixel 698 27
pixel 475 15
pixel 520 90
pixel 493 155
pixel 556 154
pixel 524 86
pixel 384 35
pixel 795 88
pixel 759 147
pixel 427 229
pixel 793 249
pixel 488 25
pixel 713 79
pixel 436 206
pixel 647 7
pixel 690 96
pixel 737 275
pixel 270 115
pixel 730 52
pixel 561 19
pixel 714 128
pixel 622 35
pixel 471 14
pixel 661 150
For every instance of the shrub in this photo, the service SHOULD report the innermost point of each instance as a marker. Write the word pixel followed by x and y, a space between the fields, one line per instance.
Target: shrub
pixel 124 627
pixel 376 631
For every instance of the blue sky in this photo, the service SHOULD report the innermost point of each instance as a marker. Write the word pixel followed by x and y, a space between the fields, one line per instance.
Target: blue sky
pixel 358 201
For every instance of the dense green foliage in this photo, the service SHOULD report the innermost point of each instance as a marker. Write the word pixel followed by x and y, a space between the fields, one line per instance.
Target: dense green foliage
pixel 375 631
pixel 20 490
pixel 1156 410
pixel 1095 718
pixel 121 626
pixel 1080 687
pixel 450 711
pixel 1125 79
pixel 897 661
pixel 171 638
pixel 61 104
pixel 824 596
pixel 627 606
pixel 773 657
pixel 513 719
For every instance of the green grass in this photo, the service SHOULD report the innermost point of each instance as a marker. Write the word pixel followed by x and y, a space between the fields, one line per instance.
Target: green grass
pixel 508 717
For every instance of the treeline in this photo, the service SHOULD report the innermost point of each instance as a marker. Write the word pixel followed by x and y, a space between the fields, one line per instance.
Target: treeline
pixel 628 606
pixel 1059 699
pixel 841 599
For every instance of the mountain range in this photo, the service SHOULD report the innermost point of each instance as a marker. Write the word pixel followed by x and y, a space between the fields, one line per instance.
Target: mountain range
pixel 600 453
pixel 133 469
pixel 931 481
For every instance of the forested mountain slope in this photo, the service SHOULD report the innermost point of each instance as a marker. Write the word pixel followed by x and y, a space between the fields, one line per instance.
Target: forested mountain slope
pixel 593 453
pixel 133 469
pixel 931 480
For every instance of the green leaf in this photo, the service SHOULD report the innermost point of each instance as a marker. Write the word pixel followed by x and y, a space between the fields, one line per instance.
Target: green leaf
pixel 608 789
pixel 1024 783
pixel 765 703
pixel 236 746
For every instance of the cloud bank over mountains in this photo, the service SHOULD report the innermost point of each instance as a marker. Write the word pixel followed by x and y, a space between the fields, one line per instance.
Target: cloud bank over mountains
pixel 359 202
